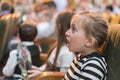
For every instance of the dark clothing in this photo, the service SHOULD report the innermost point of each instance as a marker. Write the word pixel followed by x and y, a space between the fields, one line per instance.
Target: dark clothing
pixel 35 55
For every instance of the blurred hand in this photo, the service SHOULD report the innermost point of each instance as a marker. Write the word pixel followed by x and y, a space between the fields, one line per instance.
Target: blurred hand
pixel 33 72
pixel 35 67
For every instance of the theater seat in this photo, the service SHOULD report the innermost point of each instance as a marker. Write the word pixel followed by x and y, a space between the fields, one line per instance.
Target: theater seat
pixel 46 43
pixel 49 76
pixel 8 27
pixel 112 52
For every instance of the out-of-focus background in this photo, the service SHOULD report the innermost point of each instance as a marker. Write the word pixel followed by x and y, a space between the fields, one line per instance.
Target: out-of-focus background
pixel 43 16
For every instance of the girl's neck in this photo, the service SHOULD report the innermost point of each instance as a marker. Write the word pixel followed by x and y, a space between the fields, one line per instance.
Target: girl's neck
pixel 87 52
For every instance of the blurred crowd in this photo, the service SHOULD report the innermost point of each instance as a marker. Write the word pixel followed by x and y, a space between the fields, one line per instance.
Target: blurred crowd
pixel 43 13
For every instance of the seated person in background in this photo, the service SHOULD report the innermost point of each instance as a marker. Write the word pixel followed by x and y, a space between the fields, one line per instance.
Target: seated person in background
pixel 6 8
pixel 27 34
pixel 60 56
pixel 47 17
pixel 110 16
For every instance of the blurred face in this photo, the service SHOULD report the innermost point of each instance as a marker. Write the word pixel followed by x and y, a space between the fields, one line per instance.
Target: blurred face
pixel 45 7
pixel 76 37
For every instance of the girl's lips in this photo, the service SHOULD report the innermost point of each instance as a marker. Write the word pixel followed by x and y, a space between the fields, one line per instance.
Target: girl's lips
pixel 68 41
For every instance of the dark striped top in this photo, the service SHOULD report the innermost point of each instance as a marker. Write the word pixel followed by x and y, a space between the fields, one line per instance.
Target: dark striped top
pixel 90 67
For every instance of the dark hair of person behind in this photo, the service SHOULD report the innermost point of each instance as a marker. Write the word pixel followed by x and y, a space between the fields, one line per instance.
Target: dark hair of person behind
pixel 49 4
pixel 109 7
pixel 27 31
pixel 7 6
pixel 63 24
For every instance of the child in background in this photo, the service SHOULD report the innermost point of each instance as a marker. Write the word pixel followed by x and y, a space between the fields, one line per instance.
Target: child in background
pixel 87 33
pixel 61 51
pixel 27 34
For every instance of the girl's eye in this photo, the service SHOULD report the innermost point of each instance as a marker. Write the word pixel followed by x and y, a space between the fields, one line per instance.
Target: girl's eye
pixel 73 28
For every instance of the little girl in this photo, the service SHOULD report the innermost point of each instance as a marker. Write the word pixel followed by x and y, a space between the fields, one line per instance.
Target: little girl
pixel 87 33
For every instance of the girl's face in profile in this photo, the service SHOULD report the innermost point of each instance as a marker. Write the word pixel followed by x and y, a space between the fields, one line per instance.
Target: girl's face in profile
pixel 76 37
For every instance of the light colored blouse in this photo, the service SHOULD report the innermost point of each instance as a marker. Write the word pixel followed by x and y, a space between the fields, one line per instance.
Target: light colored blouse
pixel 64 59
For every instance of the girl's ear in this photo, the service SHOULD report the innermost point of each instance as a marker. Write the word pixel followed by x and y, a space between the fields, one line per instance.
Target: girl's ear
pixel 90 42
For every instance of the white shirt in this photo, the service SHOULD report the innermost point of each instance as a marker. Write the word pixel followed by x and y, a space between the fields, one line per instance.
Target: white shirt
pixel 61 4
pixel 9 68
pixel 64 59
pixel 46 29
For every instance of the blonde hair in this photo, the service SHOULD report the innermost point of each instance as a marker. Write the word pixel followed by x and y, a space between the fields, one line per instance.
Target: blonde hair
pixel 94 25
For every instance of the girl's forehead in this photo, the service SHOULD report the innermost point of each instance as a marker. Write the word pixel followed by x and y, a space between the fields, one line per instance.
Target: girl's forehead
pixel 76 20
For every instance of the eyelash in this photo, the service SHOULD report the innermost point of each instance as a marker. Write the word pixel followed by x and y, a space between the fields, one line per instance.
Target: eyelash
pixel 73 29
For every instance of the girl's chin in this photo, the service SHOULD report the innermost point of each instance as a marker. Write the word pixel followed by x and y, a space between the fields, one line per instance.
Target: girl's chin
pixel 72 50
pixel 67 45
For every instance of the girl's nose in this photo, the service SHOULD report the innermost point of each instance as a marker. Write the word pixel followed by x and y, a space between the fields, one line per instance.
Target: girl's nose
pixel 67 33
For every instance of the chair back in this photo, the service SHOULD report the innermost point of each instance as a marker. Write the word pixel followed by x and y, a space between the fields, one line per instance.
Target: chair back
pixel 112 52
pixel 46 43
pixel 8 25
pixel 49 76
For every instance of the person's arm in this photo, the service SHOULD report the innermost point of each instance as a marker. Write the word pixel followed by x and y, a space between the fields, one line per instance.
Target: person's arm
pixel 9 68
pixel 43 67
